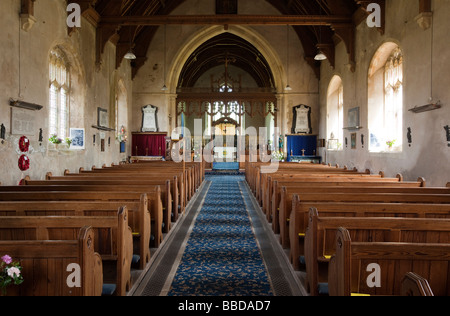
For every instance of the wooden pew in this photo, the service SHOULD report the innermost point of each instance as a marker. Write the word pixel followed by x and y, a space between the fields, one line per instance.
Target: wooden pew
pixel 152 200
pixel 282 212
pixel 321 233
pixel 113 239
pixel 138 217
pixel 359 197
pixel 111 186
pixel 348 267
pixel 414 285
pixel 299 219
pixel 188 179
pixel 170 193
pixel 279 212
pixel 293 175
pixel 45 263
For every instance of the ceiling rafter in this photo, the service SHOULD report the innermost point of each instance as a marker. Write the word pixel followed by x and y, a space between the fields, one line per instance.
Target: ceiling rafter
pixel 133 23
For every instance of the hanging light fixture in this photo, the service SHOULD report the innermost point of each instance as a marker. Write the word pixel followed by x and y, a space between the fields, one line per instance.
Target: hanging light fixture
pixel 130 55
pixel 288 87
pixel 164 88
pixel 320 55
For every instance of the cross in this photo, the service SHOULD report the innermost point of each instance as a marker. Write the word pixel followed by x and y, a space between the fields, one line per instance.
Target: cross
pixel 303 152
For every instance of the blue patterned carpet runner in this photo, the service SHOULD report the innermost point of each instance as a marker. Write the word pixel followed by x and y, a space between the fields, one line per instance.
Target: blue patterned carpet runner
pixel 222 257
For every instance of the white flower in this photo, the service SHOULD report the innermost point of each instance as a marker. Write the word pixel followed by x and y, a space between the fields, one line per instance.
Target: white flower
pixel 13 272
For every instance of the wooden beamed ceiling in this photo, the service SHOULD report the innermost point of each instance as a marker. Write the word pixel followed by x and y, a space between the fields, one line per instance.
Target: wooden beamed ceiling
pixel 133 23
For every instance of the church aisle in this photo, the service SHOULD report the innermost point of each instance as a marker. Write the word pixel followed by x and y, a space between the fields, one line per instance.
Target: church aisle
pixel 221 248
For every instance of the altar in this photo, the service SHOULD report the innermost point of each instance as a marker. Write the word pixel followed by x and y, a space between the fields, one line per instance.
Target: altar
pixel 225 153
pixel 302 148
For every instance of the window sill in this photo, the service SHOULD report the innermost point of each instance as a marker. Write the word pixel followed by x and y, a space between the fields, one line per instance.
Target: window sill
pixel 386 153
pixel 61 150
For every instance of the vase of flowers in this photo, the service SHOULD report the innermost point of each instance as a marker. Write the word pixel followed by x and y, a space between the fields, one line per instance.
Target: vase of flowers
pixel 278 156
pixel 54 139
pixel 390 144
pixel 10 273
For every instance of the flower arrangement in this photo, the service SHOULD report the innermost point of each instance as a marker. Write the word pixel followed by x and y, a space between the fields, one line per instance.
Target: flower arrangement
pixel 54 139
pixel 390 143
pixel 278 155
pixel 122 135
pixel 10 273
pixel 68 141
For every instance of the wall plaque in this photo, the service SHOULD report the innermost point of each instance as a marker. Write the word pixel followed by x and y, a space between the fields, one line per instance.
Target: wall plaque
pixel 302 120
pixel 22 122
pixel 149 119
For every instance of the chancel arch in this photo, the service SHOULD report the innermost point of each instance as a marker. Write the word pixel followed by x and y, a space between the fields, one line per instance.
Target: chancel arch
pixel 227 78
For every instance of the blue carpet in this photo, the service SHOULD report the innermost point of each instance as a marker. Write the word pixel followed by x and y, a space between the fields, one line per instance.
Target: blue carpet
pixel 222 257
pixel 225 165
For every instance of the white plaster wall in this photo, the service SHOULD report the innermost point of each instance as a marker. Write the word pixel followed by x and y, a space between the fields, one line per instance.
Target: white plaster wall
pixel 93 89
pixel 429 154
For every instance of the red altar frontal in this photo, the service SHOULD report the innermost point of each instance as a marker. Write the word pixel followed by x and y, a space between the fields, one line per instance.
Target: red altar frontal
pixel 149 144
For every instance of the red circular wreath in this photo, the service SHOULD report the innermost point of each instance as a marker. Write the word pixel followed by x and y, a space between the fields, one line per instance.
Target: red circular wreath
pixel 24 163
pixel 24 144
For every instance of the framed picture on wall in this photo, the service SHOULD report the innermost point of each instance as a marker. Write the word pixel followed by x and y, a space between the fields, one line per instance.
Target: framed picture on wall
pixel 353 118
pixel 102 117
pixel 353 140
pixel 78 137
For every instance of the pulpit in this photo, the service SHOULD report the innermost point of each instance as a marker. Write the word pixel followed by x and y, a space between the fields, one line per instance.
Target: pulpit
pixel 149 144
pixel 302 148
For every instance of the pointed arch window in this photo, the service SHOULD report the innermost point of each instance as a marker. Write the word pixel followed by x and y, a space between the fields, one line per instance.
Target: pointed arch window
pixel 335 115
pixel 59 93
pixel 385 104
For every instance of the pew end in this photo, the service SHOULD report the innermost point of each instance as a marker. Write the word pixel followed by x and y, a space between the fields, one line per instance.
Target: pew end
pixel 422 182
pixel 415 285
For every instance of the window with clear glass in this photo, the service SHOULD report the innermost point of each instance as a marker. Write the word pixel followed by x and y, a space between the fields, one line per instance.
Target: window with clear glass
pixel 59 94
pixel 385 106
pixel 335 115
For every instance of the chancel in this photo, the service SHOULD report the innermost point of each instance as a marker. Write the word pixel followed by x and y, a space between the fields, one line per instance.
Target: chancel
pixel 258 170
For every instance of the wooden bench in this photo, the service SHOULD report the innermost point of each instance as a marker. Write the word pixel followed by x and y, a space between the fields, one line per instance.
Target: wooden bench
pixel 188 178
pixel 279 212
pixel 138 217
pixel 414 285
pixel 170 193
pixel 348 267
pixel 358 197
pixel 293 175
pixel 113 240
pixel 45 265
pixel 321 233
pixel 299 219
pixel 140 224
pixel 110 186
